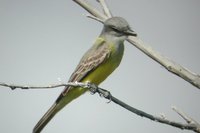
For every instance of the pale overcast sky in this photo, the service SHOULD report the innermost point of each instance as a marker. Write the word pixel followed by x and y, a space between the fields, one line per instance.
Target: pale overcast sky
pixel 41 42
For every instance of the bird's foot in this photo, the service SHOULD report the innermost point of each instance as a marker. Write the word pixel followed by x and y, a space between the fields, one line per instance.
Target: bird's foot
pixel 102 92
pixel 92 87
pixel 106 94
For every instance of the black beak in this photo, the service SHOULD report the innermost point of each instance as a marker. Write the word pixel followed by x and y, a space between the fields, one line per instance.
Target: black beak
pixel 130 32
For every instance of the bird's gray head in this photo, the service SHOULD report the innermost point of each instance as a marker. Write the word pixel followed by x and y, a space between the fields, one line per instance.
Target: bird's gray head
pixel 117 27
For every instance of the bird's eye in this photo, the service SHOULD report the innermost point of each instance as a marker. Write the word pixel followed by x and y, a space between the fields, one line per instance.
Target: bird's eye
pixel 115 29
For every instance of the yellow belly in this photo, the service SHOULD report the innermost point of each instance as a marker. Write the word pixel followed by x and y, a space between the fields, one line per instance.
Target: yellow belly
pixel 98 75
pixel 106 68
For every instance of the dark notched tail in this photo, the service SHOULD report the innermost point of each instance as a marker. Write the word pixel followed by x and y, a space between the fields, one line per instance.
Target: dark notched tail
pixel 45 119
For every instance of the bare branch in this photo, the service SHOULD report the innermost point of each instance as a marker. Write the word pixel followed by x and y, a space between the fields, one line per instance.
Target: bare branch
pixel 191 124
pixel 155 118
pixel 90 9
pixel 188 119
pixel 14 86
pixel 183 115
pixel 95 18
pixel 170 65
pixel 105 8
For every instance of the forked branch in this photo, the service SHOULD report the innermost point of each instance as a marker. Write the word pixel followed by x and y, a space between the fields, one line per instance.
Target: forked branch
pixel 170 65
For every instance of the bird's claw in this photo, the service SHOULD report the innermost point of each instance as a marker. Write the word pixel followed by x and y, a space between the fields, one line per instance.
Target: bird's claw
pixel 92 87
pixel 102 93
pixel 106 94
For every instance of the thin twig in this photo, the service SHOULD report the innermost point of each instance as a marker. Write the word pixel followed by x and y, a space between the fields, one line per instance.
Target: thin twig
pixel 90 9
pixel 105 8
pixel 189 126
pixel 188 119
pixel 183 115
pixel 95 18
pixel 170 65
pixel 14 86
pixel 106 94
pixel 167 63
pixel 154 118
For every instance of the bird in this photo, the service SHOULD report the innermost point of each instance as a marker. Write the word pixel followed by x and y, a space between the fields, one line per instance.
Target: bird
pixel 95 66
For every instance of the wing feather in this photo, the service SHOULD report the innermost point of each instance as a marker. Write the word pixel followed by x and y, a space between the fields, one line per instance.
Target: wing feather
pixel 90 61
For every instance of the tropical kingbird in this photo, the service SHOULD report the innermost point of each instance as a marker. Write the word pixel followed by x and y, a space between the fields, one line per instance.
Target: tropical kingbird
pixel 95 66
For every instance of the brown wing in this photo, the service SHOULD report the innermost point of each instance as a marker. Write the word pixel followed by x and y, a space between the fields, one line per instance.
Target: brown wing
pixel 90 61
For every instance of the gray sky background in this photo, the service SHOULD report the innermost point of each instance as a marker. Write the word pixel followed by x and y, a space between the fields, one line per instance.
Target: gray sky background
pixel 43 40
